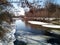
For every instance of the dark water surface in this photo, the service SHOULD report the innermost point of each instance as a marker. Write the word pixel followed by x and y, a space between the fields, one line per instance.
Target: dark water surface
pixel 23 29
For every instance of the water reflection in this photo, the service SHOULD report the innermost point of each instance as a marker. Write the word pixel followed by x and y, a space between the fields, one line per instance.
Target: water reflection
pixel 34 34
pixel 22 25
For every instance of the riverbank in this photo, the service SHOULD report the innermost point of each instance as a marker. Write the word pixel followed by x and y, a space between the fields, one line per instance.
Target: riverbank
pixel 32 35
pixel 8 37
pixel 48 25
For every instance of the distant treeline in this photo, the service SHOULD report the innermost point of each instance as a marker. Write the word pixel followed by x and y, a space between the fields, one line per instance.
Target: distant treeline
pixel 51 10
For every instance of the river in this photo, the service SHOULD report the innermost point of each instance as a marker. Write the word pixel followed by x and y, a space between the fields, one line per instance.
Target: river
pixel 28 34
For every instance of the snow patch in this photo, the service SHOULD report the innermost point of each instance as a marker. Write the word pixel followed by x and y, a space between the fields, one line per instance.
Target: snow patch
pixel 48 25
pixel 37 22
pixel 51 26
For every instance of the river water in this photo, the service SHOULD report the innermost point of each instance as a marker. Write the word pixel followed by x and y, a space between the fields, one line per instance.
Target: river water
pixel 28 34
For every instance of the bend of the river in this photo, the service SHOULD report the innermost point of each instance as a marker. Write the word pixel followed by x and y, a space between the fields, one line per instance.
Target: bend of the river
pixel 31 34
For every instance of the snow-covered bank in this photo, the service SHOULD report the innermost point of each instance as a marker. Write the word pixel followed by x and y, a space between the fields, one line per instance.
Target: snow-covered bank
pixel 37 22
pixel 51 26
pixel 55 32
pixel 9 37
pixel 48 25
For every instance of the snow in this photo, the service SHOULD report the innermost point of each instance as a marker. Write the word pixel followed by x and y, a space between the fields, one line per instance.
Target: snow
pixel 37 22
pixel 37 39
pixel 10 43
pixel 20 11
pixel 55 32
pixel 9 36
pixel 0 43
pixel 51 26
pixel 13 31
pixel 48 25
